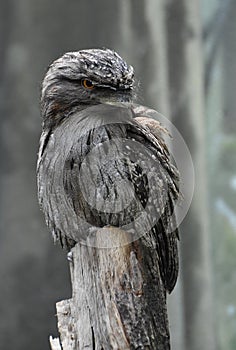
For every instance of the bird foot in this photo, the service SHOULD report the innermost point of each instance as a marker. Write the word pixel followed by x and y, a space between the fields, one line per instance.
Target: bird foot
pixel 70 257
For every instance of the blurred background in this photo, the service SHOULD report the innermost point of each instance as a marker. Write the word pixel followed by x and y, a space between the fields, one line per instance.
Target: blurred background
pixel 184 54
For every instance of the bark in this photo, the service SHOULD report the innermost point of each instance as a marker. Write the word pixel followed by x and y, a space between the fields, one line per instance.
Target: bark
pixel 118 300
pixel 186 82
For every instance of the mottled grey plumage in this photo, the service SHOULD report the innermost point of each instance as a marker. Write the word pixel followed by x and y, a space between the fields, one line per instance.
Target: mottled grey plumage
pixel 101 162
pixel 62 90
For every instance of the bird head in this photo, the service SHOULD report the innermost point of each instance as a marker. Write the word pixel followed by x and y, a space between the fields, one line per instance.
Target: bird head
pixel 83 78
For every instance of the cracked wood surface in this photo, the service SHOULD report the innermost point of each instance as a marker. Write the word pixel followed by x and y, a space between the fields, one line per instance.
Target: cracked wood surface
pixel 118 299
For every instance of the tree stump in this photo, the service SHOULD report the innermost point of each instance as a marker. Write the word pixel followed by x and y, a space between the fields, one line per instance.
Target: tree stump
pixel 118 299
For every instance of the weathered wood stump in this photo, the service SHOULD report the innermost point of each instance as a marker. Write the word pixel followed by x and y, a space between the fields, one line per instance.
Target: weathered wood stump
pixel 118 299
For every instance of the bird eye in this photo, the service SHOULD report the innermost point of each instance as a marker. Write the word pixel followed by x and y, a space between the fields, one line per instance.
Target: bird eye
pixel 87 84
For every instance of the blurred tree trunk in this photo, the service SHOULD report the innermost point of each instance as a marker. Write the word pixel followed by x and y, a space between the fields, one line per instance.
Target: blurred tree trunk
pixel 28 290
pixel 142 26
pixel 187 104
pixel 229 68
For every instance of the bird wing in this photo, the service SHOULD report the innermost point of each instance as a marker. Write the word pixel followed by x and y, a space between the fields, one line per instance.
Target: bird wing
pixel 116 171
pixel 167 230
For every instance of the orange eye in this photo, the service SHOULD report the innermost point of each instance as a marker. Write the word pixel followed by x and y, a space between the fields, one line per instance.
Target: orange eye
pixel 87 84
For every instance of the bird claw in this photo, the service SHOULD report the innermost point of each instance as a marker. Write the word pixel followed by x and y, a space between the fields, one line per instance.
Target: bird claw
pixel 70 257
